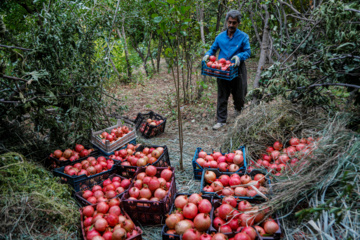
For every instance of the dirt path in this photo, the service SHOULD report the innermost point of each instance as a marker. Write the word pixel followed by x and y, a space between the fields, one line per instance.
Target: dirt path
pixel 158 95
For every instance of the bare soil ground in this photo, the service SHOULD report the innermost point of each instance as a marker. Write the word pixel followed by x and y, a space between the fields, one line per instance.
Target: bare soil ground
pixel 158 94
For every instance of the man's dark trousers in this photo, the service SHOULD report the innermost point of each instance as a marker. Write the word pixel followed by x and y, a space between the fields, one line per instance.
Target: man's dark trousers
pixel 237 87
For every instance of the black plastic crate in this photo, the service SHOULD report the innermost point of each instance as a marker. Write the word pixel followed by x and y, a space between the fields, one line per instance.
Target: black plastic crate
pixel 163 161
pixel 137 228
pixel 198 170
pixel 84 202
pixel 52 160
pixel 167 236
pixel 217 202
pixel 218 73
pixel 145 128
pixel 81 182
pixel 251 174
pixel 150 212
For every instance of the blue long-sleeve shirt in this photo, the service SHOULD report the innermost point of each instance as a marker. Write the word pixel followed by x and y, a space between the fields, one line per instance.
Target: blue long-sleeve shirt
pixel 237 45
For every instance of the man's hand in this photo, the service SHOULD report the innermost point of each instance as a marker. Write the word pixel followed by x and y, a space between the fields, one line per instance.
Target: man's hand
pixel 237 60
pixel 205 58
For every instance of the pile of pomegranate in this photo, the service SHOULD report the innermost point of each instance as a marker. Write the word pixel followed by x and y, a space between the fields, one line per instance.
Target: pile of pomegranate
pixel 242 217
pixel 278 159
pixel 222 64
pixel 235 185
pixel 70 154
pixel 150 122
pixel 109 189
pixel 90 166
pixel 129 157
pixel 115 134
pixel 229 162
pixel 191 217
pixel 106 221
pixel 149 187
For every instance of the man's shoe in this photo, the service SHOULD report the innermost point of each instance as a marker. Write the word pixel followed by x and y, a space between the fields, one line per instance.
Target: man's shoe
pixel 218 125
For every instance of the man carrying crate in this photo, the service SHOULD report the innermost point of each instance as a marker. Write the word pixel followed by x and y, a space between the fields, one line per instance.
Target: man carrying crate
pixel 234 45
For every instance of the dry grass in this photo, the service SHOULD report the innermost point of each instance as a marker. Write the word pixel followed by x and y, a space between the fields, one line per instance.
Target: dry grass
pixel 321 200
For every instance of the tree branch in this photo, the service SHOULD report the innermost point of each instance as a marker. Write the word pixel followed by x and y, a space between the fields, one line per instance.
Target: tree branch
pixel 24 49
pixel 331 84
pixel 290 6
pixel 353 10
pixel 13 78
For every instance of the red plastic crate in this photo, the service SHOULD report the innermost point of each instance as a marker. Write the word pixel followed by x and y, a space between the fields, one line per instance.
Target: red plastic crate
pixel 150 212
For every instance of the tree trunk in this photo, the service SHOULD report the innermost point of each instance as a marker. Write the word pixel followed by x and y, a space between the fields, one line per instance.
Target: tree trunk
pixel 201 18
pixel 218 16
pixel 128 65
pixel 149 53
pixel 264 47
pixel 158 57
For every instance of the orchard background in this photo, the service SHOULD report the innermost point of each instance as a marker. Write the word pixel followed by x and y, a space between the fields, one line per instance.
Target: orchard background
pixel 67 67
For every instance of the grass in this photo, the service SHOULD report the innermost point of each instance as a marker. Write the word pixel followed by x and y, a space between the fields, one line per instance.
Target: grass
pixel 33 203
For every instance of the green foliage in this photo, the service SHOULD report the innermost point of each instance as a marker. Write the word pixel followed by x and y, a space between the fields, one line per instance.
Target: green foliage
pixel 63 90
pixel 327 59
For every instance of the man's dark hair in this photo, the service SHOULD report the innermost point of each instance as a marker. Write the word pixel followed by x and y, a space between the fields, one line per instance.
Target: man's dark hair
pixel 233 14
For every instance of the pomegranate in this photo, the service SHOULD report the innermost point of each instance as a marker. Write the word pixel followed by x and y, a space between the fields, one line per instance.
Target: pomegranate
pixel 275 154
pixel 182 226
pixel 216 155
pixel 234 224
pixel 234 180
pixel 202 222
pixel 277 145
pixel 231 200
pixel 102 207
pixel 240 191
pixel 260 178
pixel 223 166
pixel 208 189
pixel 219 236
pixel 166 174
pixel 150 171
pixel 225 211
pixel 145 192
pixel 233 168
pixel 101 224
pixel 244 206
pixel 88 221
pixel 242 236
pixel 190 210
pixel 181 201
pixel 230 157
pixel 246 219
pixel 250 232
pixel 58 153
pixel 224 179
pixel 172 220
pixel 119 234
pixel 88 211
pixel 260 230
pixel 110 194
pixel 160 193
pixel 271 227
pixel 221 159
pixel 200 161
pixel 92 233
pixel 107 235
pixel 217 186
pixel 245 179
pixel 239 160
pixel 227 191
pixel 205 236
pixel 202 154
pixel 218 222
pixel 225 229
pixel 191 234
pixel 195 198
pixel 209 176
pixel 204 206
pixel 115 210
pixel 125 183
